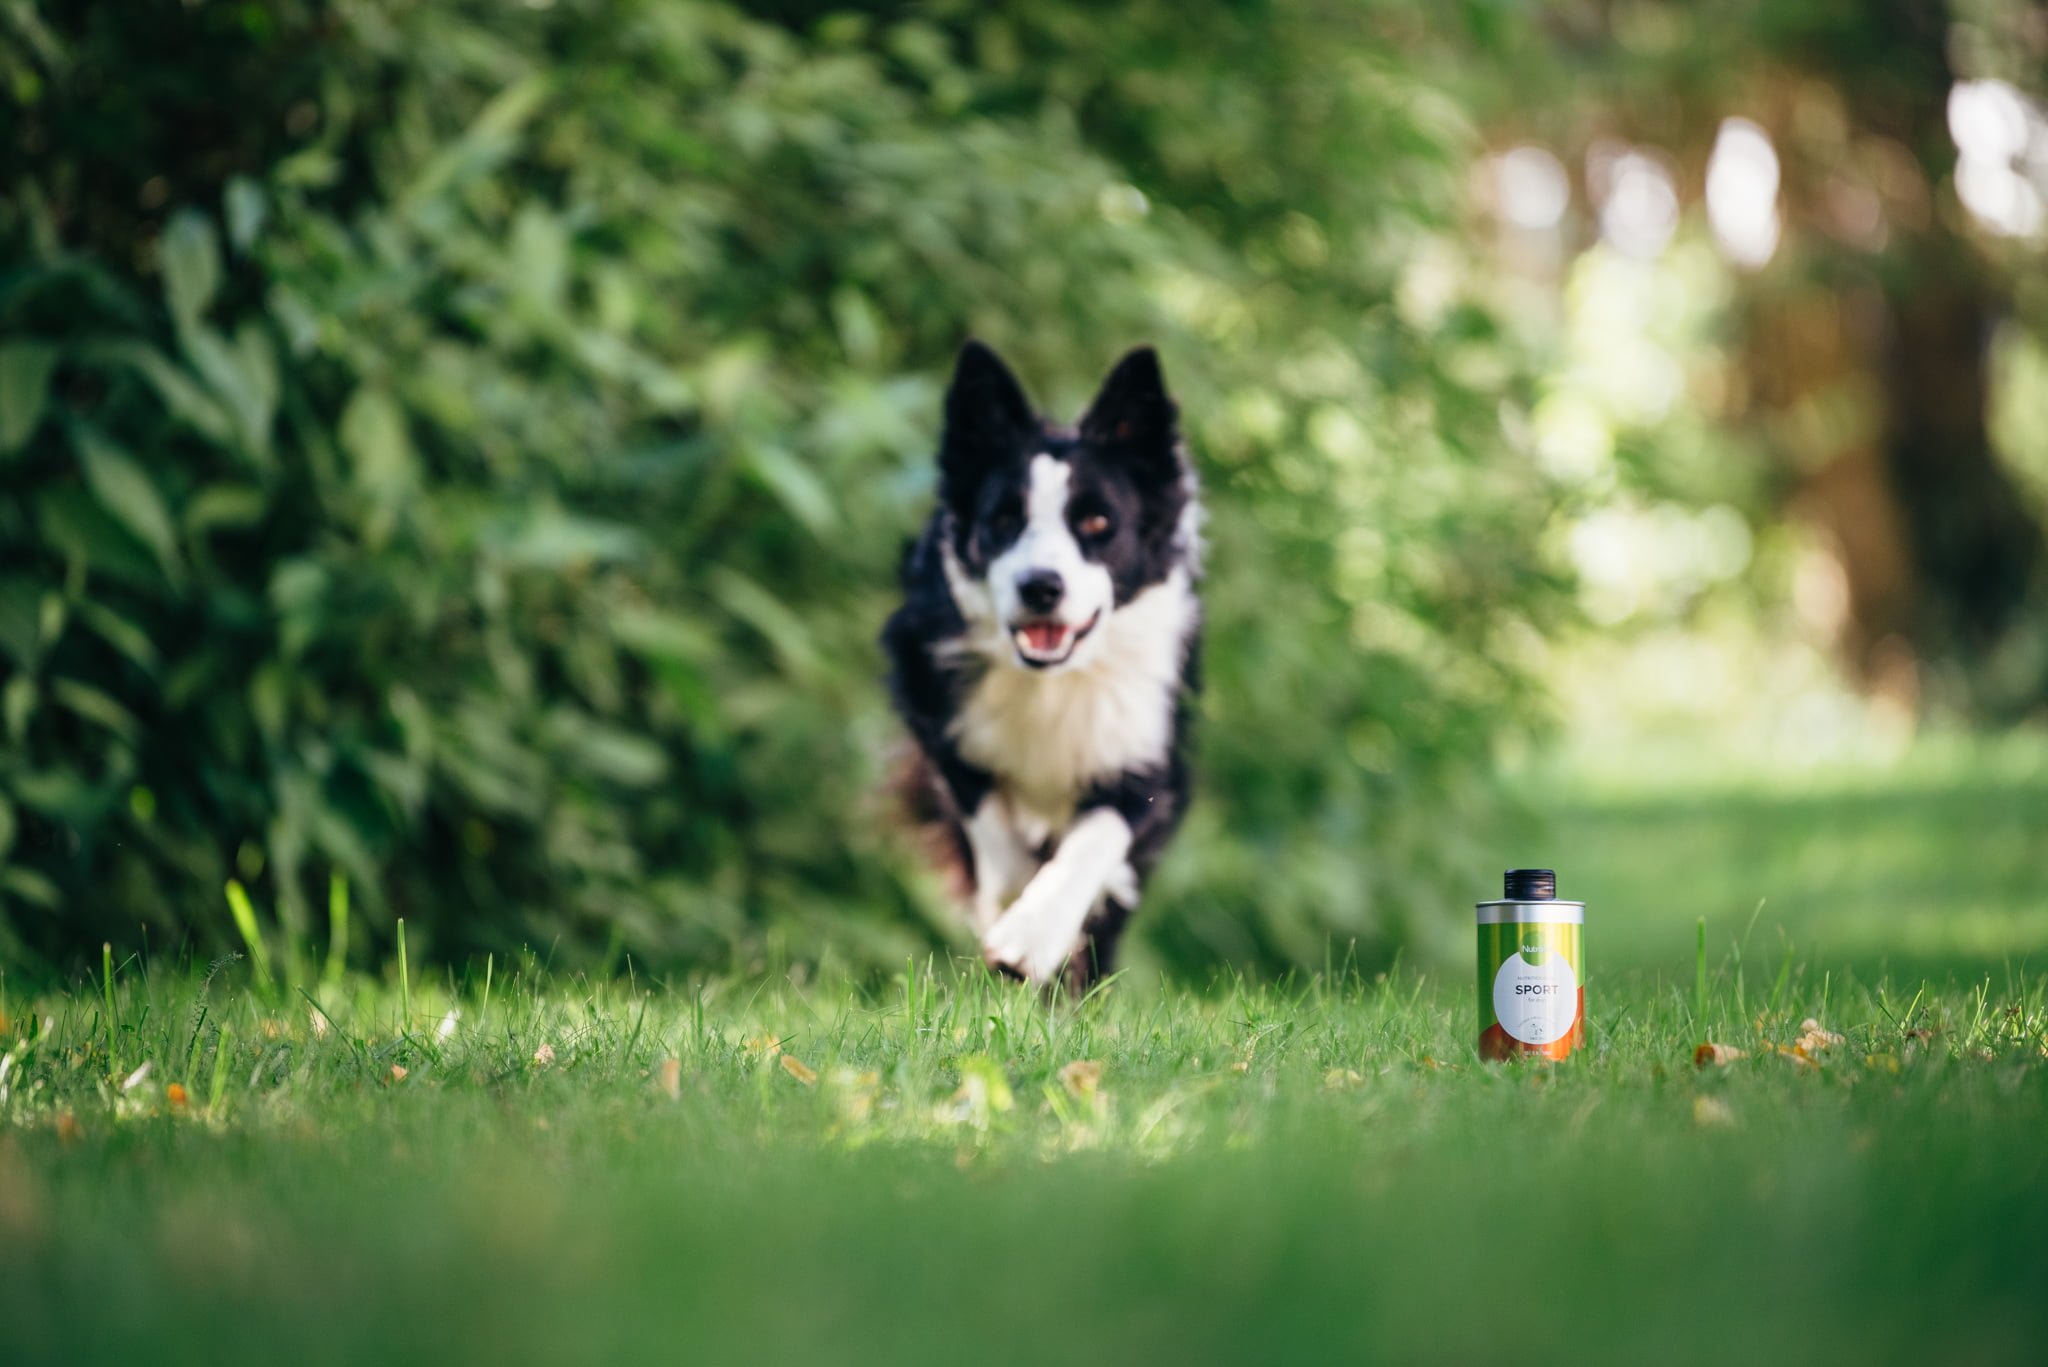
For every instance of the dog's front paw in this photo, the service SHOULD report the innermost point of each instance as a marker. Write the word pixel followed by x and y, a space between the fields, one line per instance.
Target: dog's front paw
pixel 1020 945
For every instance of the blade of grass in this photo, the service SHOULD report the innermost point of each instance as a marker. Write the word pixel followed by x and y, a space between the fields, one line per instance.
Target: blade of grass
pixel 192 1050
pixel 107 990
pixel 337 928
pixel 222 1047
pixel 1699 990
pixel 633 1042
pixel 1784 977
pixel 252 935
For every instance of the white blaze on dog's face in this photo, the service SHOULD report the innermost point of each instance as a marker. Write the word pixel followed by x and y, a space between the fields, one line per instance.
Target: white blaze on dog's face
pixel 1048 593
pixel 1057 529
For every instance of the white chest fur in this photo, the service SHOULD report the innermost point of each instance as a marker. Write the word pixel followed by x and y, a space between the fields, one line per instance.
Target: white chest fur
pixel 1048 734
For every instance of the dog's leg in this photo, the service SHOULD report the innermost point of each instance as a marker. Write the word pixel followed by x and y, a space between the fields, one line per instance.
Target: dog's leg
pixel 1036 937
pixel 1096 958
pixel 1002 864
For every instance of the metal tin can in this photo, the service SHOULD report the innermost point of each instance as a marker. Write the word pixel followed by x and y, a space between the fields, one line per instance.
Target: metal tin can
pixel 1532 970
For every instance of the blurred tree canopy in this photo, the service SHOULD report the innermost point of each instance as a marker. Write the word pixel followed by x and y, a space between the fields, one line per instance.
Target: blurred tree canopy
pixel 1899 149
pixel 466 448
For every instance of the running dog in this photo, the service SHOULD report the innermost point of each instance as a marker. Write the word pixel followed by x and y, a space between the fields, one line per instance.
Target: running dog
pixel 1045 657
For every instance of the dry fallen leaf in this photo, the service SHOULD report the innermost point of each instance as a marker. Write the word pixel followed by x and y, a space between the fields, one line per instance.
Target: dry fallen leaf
pixel 67 1127
pixel 1082 1078
pixel 668 1078
pixel 1243 1065
pixel 797 1069
pixel 1813 1038
pixel 1712 1113
pixel 544 1056
pixel 1798 1057
pixel 767 1046
pixel 397 1072
pixel 855 1092
pixel 175 1094
pixel 984 1092
pixel 1341 1077
pixel 1718 1055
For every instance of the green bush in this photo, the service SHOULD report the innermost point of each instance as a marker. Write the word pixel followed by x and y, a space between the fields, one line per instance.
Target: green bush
pixel 466 448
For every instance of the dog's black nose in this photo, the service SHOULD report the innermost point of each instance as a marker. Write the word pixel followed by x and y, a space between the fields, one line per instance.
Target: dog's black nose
pixel 1041 590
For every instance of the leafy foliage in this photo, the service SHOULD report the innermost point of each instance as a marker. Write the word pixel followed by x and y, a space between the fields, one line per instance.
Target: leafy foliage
pixel 466 449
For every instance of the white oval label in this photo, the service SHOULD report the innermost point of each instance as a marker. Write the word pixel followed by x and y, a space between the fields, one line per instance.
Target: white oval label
pixel 1537 1002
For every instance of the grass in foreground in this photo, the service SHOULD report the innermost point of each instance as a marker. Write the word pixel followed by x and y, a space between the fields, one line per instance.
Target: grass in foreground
pixel 513 1168
pixel 951 1170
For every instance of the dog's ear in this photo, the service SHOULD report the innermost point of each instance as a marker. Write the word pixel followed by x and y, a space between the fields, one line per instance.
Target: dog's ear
pixel 986 414
pixel 1134 418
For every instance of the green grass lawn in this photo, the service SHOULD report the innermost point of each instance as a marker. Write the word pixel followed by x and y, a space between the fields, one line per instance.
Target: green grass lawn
pixel 944 1168
pixel 1933 868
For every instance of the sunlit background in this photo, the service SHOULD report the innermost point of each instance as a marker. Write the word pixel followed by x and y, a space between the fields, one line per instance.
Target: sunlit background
pixel 455 455
pixel 1769 522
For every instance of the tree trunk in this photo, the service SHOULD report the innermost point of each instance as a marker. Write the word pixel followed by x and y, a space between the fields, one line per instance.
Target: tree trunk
pixel 1974 546
pixel 1972 553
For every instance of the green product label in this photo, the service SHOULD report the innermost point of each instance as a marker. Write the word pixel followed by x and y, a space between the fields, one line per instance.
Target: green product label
pixel 1531 988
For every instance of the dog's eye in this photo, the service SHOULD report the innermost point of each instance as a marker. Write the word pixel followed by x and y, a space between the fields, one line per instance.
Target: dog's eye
pixel 1004 523
pixel 1095 524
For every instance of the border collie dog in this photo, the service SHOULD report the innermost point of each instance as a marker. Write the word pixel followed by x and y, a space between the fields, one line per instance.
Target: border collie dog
pixel 1045 655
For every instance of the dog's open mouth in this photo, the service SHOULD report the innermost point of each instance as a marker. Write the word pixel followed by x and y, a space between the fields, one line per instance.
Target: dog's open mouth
pixel 1044 644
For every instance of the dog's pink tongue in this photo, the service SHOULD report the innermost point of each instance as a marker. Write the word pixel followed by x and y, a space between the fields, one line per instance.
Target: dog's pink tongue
pixel 1044 635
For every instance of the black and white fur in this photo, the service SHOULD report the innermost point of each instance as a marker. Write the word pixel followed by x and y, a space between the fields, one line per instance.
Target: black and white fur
pixel 1044 658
